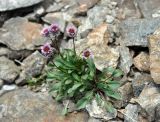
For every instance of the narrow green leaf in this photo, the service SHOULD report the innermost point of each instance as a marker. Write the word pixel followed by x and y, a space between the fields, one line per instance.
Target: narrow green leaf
pixel 70 71
pixel 59 97
pixel 109 107
pixel 113 84
pixel 55 86
pixel 74 87
pixel 85 77
pixel 82 103
pixel 92 66
pixel 82 89
pixel 101 85
pixel 68 82
pixel 85 100
pixel 51 65
pixel 98 99
pixel 113 94
pixel 55 75
pixel 117 73
pixel 58 64
pixel 65 111
pixel 108 70
pixel 76 77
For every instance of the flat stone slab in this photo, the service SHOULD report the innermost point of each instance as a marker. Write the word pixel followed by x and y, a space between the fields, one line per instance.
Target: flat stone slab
pixel 135 31
pixel 19 34
pixel 149 7
pixel 26 106
pixel 154 49
pixel 6 5
pixel 9 71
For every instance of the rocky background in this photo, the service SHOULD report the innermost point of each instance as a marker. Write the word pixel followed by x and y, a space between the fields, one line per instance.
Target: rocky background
pixel 121 33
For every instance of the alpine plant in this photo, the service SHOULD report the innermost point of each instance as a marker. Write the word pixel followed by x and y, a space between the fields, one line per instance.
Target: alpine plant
pixel 74 76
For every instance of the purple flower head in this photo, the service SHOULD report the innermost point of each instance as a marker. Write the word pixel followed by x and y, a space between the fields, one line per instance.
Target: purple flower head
pixel 71 30
pixel 47 50
pixel 54 28
pixel 45 32
pixel 87 54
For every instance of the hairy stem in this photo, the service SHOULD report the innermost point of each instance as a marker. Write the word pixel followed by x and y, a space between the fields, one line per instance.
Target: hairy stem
pixel 74 48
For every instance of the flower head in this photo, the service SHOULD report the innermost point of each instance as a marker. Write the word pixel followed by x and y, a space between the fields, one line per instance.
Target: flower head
pixel 54 28
pixel 47 50
pixel 71 30
pixel 87 54
pixel 45 32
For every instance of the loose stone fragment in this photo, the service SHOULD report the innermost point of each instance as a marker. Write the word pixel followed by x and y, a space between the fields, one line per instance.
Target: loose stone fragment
pixel 142 62
pixel 125 59
pixel 135 31
pixel 154 50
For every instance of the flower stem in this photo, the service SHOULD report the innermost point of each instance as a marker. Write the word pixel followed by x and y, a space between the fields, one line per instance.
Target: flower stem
pixel 55 43
pixel 74 48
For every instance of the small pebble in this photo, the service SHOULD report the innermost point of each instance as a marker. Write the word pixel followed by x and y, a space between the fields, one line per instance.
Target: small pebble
pixel 114 4
pixel 9 87
pixel 109 19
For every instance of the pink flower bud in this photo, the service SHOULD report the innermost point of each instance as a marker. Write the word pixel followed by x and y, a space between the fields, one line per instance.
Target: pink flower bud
pixel 47 50
pixel 87 54
pixel 45 32
pixel 71 30
pixel 54 28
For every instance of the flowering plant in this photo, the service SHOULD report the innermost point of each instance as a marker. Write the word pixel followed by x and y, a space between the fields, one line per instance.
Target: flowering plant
pixel 76 77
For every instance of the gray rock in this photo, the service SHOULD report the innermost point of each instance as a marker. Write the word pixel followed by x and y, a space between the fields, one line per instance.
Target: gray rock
pixel 109 19
pixel 7 88
pixel 57 17
pixel 3 17
pixel 15 4
pixel 31 66
pixel 126 92
pixel 149 99
pixel 94 120
pixel 115 120
pixel 1 83
pixel 135 31
pixel 98 112
pixel 21 54
pixel 139 81
pixel 128 9
pixel 154 50
pixel 156 14
pixel 131 113
pixel 142 62
pixel 39 11
pixel 158 113
pixel 96 16
pixel 84 5
pixel 8 70
pixel 13 54
pixel 25 106
pixel 4 51
pixel 148 7
pixel 85 28
pixel 141 118
pixel 70 105
pixel 19 34
pixel 88 3
pixel 97 40
pixel 55 7
pixel 125 59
